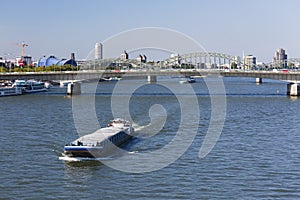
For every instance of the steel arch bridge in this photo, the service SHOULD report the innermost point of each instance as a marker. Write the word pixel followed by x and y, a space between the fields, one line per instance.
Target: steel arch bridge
pixel 197 60
pixel 204 60
pixel 102 64
pixel 294 61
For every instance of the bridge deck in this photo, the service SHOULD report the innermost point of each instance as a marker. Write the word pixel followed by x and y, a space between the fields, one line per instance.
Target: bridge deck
pixel 87 75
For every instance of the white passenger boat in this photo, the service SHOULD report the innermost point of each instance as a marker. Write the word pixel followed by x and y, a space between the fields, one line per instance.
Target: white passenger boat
pixel 33 86
pixel 10 91
pixel 19 84
pixel 30 86
pixel 102 142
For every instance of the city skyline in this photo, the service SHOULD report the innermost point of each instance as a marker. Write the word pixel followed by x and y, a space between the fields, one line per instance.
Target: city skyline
pixel 232 27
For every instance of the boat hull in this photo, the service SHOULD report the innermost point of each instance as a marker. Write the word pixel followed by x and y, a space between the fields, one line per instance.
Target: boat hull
pixel 87 152
pixel 35 90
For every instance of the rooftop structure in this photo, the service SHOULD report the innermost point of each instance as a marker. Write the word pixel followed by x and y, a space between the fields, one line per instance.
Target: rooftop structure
pixel 124 56
pixel 141 58
pixel 52 60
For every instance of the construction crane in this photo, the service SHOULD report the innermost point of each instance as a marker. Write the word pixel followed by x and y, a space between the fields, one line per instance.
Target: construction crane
pixel 23 48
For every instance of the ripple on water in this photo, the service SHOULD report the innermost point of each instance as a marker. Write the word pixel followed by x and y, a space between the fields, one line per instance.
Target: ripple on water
pixel 256 157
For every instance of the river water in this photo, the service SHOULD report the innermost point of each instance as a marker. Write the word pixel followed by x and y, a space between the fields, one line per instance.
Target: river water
pixel 256 157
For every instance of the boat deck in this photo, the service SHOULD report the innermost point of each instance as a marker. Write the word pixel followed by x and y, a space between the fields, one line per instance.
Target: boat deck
pixel 97 136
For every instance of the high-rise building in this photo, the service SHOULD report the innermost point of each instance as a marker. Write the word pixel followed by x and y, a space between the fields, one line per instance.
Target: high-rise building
pixel 249 62
pixel 98 51
pixel 280 58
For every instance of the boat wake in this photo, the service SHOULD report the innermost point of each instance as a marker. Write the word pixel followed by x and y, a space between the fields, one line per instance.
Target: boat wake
pixel 158 116
pixel 149 130
pixel 80 159
pixel 138 128
pixel 133 152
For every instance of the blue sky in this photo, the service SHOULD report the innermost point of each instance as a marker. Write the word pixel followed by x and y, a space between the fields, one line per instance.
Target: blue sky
pixel 59 27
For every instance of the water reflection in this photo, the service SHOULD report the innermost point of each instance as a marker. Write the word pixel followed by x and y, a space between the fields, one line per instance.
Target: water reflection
pixel 293 98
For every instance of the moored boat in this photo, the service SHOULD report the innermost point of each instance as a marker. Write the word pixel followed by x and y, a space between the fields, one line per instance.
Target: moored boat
pixel 102 142
pixel 30 86
pixel 10 91
pixel 33 86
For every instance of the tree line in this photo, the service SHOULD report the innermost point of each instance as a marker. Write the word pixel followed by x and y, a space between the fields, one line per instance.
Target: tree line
pixel 41 68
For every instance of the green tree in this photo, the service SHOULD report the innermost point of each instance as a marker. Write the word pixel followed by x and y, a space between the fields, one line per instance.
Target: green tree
pixel 233 65
pixel 291 65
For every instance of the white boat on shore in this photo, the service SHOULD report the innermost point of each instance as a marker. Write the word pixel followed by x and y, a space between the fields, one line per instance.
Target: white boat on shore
pixel 102 142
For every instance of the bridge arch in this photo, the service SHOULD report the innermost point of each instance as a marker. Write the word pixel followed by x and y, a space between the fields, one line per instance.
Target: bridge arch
pixel 204 60
pixel 199 60
pixel 294 62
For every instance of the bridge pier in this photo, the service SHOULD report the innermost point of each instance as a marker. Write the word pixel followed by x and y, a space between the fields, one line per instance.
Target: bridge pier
pixel 74 88
pixel 293 89
pixel 258 80
pixel 152 79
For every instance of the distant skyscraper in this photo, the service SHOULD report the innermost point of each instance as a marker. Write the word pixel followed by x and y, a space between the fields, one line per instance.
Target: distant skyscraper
pixel 280 58
pixel 98 51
